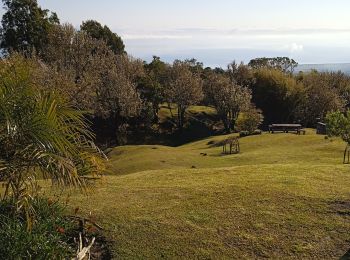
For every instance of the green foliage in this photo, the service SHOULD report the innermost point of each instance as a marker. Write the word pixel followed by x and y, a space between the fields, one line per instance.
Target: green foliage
pixel 91 77
pixel 40 136
pixel 99 32
pixel 184 88
pixel 228 98
pixel 283 64
pixel 282 182
pixel 276 94
pixel 249 121
pixel 323 92
pixel 240 74
pixel 48 239
pixel 247 133
pixel 25 26
pixel 338 124
pixel 151 86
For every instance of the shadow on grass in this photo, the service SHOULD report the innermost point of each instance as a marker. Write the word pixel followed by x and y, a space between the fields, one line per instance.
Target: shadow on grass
pixel 346 256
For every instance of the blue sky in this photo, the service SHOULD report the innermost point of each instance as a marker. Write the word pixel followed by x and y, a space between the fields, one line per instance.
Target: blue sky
pixel 217 32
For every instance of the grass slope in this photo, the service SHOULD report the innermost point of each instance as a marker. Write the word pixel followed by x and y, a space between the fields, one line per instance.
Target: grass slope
pixel 256 150
pixel 284 196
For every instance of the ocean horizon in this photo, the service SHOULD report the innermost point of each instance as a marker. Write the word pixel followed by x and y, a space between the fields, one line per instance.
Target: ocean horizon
pixel 326 67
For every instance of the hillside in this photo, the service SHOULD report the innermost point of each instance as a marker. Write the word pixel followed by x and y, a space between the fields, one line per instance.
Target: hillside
pixel 284 196
pixel 310 149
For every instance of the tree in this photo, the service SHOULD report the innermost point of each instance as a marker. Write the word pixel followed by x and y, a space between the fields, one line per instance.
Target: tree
pixel 25 26
pixel 152 85
pixel 340 82
pixel 228 98
pixel 241 74
pixel 184 89
pixel 194 65
pixel 250 120
pixel 276 94
pixel 93 78
pixel 99 32
pixel 41 136
pixel 338 124
pixel 283 64
pixel 322 94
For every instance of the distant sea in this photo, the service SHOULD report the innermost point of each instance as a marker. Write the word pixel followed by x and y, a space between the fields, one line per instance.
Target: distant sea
pixel 343 67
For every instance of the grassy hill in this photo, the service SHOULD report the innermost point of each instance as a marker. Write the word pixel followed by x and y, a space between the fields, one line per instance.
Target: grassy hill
pixel 284 196
pixel 256 150
pixel 201 122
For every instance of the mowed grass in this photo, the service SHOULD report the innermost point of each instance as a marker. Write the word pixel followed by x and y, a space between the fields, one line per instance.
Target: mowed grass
pixel 309 149
pixel 284 196
pixel 192 111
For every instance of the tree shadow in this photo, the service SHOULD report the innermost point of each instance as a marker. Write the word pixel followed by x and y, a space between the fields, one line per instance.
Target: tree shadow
pixel 346 256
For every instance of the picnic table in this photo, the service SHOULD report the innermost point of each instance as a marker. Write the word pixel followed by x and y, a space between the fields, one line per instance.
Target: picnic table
pixel 286 128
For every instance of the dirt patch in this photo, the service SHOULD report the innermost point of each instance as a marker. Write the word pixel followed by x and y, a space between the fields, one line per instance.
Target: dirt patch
pixel 341 207
pixel 101 249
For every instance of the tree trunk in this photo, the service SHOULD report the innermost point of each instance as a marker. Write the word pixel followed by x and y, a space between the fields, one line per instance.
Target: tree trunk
pixel 180 117
pixel 346 151
pixel 226 123
pixel 155 112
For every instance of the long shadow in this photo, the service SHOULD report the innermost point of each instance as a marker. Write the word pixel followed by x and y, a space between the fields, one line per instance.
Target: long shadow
pixel 346 256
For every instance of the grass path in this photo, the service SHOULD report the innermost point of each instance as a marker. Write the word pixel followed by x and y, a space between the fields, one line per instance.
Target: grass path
pixel 285 196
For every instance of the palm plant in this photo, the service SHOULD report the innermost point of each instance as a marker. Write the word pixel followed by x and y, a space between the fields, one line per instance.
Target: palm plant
pixel 41 136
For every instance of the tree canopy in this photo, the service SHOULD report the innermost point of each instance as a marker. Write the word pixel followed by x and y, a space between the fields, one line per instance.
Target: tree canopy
pixel 25 26
pixel 276 94
pixel 97 31
pixel 228 98
pixel 184 88
pixel 284 64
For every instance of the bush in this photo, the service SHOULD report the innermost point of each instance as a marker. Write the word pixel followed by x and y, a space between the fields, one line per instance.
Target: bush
pixel 246 133
pixel 249 121
pixel 40 133
pixel 48 239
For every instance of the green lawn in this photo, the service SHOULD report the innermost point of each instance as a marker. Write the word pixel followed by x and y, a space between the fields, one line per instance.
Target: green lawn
pixel 284 196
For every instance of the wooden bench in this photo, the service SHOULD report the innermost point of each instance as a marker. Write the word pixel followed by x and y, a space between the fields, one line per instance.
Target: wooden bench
pixel 286 128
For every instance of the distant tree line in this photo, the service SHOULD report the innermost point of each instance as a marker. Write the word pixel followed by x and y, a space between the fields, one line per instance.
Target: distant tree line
pixel 91 70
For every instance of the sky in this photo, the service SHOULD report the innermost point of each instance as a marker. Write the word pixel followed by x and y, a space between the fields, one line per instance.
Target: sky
pixel 218 32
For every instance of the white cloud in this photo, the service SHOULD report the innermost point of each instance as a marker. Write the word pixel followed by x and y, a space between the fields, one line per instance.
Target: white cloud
pixel 154 36
pixel 186 33
pixel 295 47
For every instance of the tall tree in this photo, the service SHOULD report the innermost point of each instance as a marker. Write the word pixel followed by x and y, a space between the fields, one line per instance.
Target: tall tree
pixel 228 98
pixel 241 74
pixel 276 94
pixel 284 64
pixel 94 78
pixel 25 26
pixel 323 93
pixel 152 85
pixel 183 89
pixel 97 31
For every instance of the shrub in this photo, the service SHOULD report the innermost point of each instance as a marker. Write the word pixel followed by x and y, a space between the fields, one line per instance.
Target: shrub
pixel 249 121
pixel 243 133
pixel 41 136
pixel 338 124
pixel 246 133
pixel 48 239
